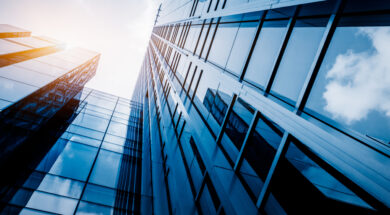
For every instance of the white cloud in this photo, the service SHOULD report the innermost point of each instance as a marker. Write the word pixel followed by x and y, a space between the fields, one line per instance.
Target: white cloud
pixel 360 82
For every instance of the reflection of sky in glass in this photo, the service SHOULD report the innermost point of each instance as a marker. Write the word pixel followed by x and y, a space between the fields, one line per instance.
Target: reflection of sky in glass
pixel 265 52
pixel 298 57
pixel 352 86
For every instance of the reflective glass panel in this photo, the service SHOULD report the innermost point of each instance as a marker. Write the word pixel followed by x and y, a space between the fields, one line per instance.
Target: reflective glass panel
pixel 89 208
pixel 223 42
pixel 98 194
pixel 317 188
pixel 353 83
pixel 13 91
pixel 61 186
pixel 106 169
pixel 75 161
pixel 266 51
pixel 295 65
pixel 52 203
pixel 241 47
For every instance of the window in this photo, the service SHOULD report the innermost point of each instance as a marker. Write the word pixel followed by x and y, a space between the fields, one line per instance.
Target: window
pixel 223 42
pixel 266 51
pixel 75 161
pixel 318 189
pixel 353 83
pixel 13 91
pixel 106 169
pixel 260 152
pixel 241 47
pixel 295 65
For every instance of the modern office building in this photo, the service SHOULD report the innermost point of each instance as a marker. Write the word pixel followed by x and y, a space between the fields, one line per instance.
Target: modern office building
pixel 241 107
pixel 270 106
pixel 40 87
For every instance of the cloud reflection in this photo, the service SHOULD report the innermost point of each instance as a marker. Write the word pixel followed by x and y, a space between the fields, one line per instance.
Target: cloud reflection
pixel 360 82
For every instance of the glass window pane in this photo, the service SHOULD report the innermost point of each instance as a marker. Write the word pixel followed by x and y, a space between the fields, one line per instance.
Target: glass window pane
pixel 266 51
pixel 293 68
pixel 85 132
pixel 89 208
pixel 25 75
pixel 13 91
pixel 260 152
pixel 92 122
pixel 61 186
pixel 318 189
pixel 118 129
pixel 106 169
pixel 51 203
pixel 241 47
pixel 223 42
pixel 98 194
pixel 75 161
pixel 81 139
pixel 353 84
pixel 99 101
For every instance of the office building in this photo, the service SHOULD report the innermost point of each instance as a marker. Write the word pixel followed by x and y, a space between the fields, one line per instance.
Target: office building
pixel 40 87
pixel 240 107
pixel 270 106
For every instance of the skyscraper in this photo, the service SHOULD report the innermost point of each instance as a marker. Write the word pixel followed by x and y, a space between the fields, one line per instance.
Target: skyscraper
pixel 240 107
pixel 270 106
pixel 40 88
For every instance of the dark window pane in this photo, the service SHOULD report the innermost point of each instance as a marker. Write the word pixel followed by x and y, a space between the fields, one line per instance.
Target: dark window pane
pixel 295 65
pixel 260 153
pixel 265 52
pixel 318 190
pixel 353 84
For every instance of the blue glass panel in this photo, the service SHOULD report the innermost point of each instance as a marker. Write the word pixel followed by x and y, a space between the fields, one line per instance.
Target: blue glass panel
pixel 92 122
pixel 85 132
pixel 81 139
pixel 89 208
pixel 27 211
pixel 61 186
pixel 118 129
pixel 353 84
pixel 99 101
pixel 51 203
pixel 223 42
pixel 75 161
pixel 25 75
pixel 294 66
pixel 266 51
pixel 317 188
pixel 115 139
pixel 4 104
pixel 14 91
pixel 106 169
pixel 241 47
pixel 99 194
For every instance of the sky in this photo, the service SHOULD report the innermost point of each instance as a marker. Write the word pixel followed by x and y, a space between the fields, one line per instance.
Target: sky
pixel 118 29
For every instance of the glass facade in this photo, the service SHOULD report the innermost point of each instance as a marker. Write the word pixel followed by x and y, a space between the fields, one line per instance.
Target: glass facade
pixel 271 107
pixel 240 107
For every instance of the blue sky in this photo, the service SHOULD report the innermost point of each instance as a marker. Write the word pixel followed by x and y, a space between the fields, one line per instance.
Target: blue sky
pixel 118 29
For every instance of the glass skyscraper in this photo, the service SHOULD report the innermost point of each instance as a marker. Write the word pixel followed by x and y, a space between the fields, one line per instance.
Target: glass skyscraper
pixel 240 107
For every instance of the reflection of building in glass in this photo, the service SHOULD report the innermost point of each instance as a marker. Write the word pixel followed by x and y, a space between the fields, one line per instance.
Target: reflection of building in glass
pixel 241 107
